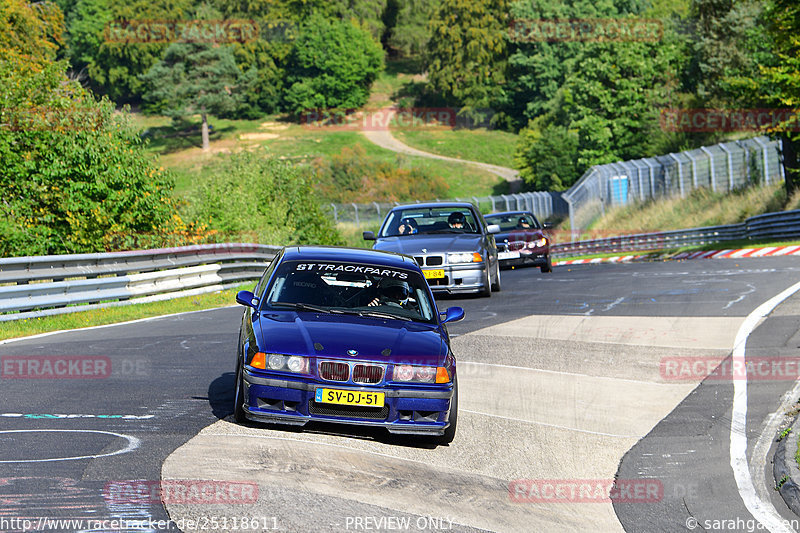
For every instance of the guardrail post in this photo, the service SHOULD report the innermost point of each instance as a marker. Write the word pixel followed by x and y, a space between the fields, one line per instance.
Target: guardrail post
pixel 335 217
pixel 765 157
pixel 494 209
pixel 730 165
pixel 377 208
pixel 356 208
pixel 652 168
pixel 680 174
pixel 477 203
pixel 694 169
pixel 711 167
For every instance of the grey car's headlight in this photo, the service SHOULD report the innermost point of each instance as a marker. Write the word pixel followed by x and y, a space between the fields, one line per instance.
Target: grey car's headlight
pixel 464 257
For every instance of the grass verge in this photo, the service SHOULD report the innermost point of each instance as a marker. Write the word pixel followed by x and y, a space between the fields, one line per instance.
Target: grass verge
pixel 112 315
pixel 487 146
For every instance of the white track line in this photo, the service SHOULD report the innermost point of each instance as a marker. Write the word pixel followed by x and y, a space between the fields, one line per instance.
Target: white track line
pixel 763 511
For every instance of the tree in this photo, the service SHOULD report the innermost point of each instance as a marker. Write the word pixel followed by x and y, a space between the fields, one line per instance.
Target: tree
pixel 332 66
pixel 256 193
pixel 547 158
pixel 467 52
pixel 197 78
pixel 411 33
pixel 30 32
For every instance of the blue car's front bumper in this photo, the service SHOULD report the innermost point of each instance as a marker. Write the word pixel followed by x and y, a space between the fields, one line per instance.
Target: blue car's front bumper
pixel 417 410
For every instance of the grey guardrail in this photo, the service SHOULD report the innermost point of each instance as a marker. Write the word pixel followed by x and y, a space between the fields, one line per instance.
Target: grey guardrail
pixel 56 284
pixel 778 226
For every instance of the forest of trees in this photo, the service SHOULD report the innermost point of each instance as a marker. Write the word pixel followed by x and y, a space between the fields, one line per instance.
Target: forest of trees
pixel 575 102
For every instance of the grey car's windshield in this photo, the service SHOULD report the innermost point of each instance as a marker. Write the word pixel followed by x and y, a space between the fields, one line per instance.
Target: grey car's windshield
pixel 422 221
pixel 513 221
pixel 350 288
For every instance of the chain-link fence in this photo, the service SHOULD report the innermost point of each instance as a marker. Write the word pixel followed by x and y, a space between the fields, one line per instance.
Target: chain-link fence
pixel 722 167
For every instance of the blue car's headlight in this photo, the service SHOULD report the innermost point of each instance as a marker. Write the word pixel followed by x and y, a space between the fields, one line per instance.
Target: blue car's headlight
pixel 276 361
pixel 464 257
pixel 421 374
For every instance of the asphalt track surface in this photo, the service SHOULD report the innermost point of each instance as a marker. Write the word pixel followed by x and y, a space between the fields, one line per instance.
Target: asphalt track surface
pixel 561 381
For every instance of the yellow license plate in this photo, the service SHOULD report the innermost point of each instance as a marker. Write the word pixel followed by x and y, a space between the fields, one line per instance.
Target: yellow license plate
pixel 349 397
pixel 433 274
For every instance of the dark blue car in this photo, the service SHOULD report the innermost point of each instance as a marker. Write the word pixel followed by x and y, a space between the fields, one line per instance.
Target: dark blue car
pixel 348 336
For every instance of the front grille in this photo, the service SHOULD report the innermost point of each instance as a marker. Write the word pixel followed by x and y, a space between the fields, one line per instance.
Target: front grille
pixel 431 260
pixel 348 411
pixel 367 374
pixel 333 371
pixel 516 245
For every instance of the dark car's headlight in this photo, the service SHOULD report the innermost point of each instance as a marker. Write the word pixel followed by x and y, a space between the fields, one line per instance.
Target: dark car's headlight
pixel 275 361
pixel 464 257
pixel 538 243
pixel 421 374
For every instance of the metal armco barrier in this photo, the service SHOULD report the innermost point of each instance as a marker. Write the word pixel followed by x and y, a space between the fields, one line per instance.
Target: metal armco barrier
pixel 777 226
pixel 45 285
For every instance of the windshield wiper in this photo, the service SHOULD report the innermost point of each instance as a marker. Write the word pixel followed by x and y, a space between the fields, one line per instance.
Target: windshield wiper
pixel 304 307
pixel 373 314
pixel 378 314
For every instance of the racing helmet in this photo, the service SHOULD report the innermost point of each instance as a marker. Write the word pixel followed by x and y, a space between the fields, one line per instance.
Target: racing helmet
pixel 411 224
pixel 394 289
pixel 457 217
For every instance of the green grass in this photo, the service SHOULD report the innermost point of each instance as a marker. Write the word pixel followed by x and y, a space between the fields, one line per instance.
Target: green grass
pixel 112 315
pixel 179 150
pixel 487 146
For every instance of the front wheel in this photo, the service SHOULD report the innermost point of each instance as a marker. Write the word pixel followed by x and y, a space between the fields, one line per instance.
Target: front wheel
pixel 487 286
pixel 547 267
pixel 496 286
pixel 238 402
pixel 450 432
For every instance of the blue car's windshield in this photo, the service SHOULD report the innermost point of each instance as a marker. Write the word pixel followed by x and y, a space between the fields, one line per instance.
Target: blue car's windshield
pixel 350 288
pixel 417 221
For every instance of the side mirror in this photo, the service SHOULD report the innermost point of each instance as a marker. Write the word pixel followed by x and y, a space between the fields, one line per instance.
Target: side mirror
pixel 247 298
pixel 493 228
pixel 453 314
pixel 368 236
pixel 547 225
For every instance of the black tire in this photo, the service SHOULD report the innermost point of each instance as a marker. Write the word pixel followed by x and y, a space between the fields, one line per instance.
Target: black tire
pixel 497 286
pixel 450 432
pixel 238 401
pixel 486 291
pixel 548 267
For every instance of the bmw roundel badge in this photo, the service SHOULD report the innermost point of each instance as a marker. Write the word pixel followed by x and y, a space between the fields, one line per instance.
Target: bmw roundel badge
pixel 352 352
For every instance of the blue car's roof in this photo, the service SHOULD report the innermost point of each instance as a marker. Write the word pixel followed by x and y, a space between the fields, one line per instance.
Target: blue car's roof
pixel 358 255
pixel 434 205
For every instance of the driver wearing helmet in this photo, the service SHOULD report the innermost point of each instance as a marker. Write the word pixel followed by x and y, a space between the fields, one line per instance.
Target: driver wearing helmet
pixel 391 292
pixel 408 226
pixel 523 223
pixel 457 220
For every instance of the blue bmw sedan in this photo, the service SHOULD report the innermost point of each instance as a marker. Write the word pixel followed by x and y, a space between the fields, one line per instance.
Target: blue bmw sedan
pixel 347 336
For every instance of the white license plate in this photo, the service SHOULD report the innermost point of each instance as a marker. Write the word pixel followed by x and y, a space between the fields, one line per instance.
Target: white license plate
pixel 508 255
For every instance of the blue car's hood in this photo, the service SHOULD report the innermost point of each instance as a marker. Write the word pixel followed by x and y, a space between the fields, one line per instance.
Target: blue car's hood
pixel 332 336
pixel 436 243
